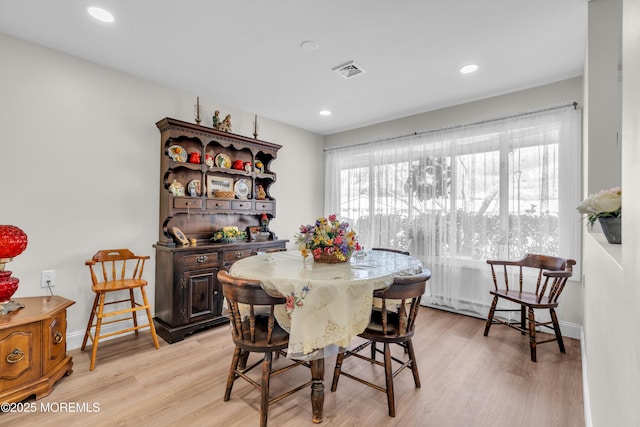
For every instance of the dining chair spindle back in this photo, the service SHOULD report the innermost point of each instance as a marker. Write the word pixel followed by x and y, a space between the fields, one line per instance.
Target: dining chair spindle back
pixel 392 323
pixel 254 330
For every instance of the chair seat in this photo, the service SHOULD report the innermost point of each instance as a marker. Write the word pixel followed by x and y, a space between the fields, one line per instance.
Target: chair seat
pixel 118 285
pixel 375 330
pixel 525 298
pixel 279 337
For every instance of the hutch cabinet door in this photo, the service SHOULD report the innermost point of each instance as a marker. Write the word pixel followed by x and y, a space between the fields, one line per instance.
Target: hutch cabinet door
pixel 204 297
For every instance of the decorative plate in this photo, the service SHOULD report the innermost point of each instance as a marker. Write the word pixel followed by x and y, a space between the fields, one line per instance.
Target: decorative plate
pixel 222 161
pixel 176 188
pixel 242 188
pixel 178 153
pixel 194 188
pixel 179 235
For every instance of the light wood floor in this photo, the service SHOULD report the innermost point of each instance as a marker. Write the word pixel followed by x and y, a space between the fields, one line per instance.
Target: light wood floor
pixel 467 380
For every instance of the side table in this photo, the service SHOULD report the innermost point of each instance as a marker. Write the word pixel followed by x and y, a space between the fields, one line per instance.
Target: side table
pixel 33 348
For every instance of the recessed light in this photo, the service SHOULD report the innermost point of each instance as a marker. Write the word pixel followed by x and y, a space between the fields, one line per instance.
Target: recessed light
pixel 469 69
pixel 309 46
pixel 325 113
pixel 100 14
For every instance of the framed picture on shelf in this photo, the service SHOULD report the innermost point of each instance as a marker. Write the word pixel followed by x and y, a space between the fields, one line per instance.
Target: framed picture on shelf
pixel 180 236
pixel 219 184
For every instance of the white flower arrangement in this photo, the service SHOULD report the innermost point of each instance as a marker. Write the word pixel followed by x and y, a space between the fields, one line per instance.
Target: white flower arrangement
pixel 604 204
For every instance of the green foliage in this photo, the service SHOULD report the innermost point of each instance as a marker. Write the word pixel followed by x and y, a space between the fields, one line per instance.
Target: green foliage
pixel 477 237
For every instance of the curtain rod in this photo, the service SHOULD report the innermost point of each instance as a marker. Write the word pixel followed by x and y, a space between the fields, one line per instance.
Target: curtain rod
pixel 513 116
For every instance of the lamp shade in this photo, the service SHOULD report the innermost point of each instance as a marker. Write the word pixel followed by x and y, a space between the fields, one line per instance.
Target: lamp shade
pixel 8 286
pixel 13 241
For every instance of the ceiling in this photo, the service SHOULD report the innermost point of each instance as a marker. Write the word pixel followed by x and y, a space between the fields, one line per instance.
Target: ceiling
pixel 247 54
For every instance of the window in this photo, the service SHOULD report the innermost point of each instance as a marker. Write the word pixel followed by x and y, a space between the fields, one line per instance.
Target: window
pixel 458 196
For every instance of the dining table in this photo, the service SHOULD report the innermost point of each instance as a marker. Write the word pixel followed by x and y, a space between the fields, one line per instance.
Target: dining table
pixel 327 304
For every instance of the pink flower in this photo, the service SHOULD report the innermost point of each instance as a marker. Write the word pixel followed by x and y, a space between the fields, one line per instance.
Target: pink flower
pixel 332 217
pixel 289 305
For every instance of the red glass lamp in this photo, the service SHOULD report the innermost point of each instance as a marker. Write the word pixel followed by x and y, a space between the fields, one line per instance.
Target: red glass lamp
pixel 13 241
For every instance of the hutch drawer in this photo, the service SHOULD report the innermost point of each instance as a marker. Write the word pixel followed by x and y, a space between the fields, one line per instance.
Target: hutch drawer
pixel 231 256
pixel 219 204
pixel 238 205
pixel 265 206
pixel 187 203
pixel 201 260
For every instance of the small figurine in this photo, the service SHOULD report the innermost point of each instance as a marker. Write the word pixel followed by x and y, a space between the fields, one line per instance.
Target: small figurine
pixel 259 166
pixel 260 193
pixel 225 126
pixel 264 222
pixel 216 120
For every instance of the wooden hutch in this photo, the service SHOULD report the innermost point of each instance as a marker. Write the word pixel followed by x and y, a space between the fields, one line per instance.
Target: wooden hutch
pixel 204 163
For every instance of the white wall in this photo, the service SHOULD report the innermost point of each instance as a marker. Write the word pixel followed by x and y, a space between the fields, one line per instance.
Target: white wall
pixel 612 296
pixel 490 108
pixel 602 102
pixel 570 309
pixel 80 166
pixel 628 336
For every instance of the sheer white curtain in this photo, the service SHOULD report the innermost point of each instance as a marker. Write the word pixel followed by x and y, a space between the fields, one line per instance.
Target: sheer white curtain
pixel 456 197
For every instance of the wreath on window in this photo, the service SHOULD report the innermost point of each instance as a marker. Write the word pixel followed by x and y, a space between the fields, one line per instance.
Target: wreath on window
pixel 429 179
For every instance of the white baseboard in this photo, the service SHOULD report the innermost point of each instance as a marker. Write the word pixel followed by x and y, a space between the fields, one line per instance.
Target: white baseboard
pixel 74 339
pixel 568 329
pixel 571 330
pixel 585 384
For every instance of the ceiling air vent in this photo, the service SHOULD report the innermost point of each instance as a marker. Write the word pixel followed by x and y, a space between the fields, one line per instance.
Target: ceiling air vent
pixel 349 70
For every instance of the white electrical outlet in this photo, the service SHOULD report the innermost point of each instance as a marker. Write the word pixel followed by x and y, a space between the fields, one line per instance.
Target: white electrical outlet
pixel 48 278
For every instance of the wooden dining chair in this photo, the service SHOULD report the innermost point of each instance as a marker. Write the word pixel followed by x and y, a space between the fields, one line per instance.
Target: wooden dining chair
pixel 550 275
pixel 119 271
pixel 254 330
pixel 390 326
pixel 376 300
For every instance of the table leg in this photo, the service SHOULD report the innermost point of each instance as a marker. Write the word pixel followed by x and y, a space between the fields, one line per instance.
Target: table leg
pixel 317 389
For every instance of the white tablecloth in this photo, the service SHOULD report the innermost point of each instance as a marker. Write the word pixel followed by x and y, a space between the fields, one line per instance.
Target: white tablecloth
pixel 327 304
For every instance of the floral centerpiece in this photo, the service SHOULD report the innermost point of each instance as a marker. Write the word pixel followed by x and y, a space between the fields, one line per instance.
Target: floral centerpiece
pixel 328 240
pixel 605 207
pixel 229 235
